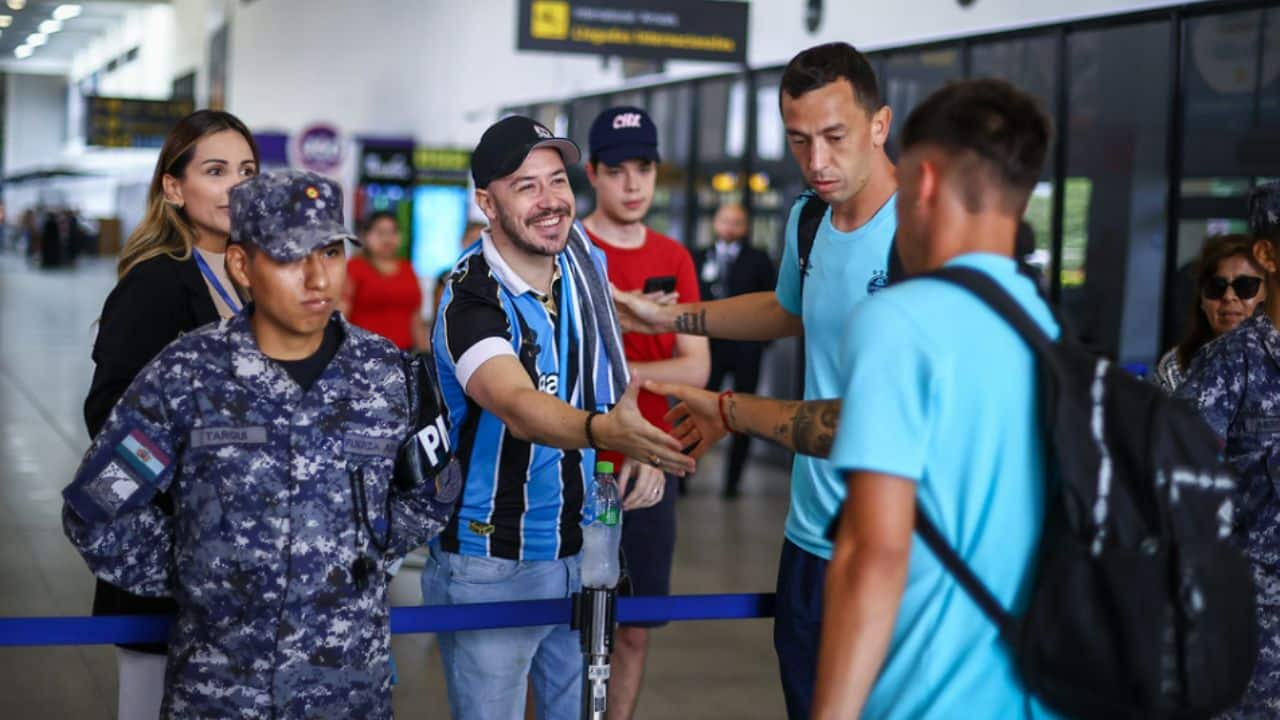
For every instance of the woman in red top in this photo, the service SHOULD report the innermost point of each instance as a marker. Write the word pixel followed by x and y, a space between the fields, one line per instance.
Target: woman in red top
pixel 383 295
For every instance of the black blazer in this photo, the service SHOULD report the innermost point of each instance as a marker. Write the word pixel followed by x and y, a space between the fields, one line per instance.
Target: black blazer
pixel 149 308
pixel 152 305
pixel 752 271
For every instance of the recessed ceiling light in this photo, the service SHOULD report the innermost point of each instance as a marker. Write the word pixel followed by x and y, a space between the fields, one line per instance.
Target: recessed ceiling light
pixel 6 21
pixel 66 12
pixel 16 4
pixel 49 27
pixel 22 52
pixel 36 39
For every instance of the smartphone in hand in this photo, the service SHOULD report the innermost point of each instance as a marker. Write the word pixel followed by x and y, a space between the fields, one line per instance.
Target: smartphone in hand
pixel 660 283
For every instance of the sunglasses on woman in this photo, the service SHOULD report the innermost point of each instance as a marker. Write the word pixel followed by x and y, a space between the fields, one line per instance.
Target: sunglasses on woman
pixel 1246 286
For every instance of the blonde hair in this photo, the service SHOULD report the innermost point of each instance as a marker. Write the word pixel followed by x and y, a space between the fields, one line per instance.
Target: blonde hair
pixel 165 229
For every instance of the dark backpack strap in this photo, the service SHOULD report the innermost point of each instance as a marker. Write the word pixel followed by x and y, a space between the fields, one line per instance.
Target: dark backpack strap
pixel 807 231
pixel 981 596
pixel 897 272
pixel 990 292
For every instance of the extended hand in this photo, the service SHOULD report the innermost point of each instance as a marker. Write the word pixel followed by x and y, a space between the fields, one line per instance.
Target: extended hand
pixel 695 420
pixel 638 313
pixel 626 431
pixel 650 483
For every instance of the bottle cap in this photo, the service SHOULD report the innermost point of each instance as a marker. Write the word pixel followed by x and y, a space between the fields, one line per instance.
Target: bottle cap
pixel 604 467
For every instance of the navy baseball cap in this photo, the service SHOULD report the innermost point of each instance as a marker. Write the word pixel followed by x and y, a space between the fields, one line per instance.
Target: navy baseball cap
pixel 288 213
pixel 506 144
pixel 623 133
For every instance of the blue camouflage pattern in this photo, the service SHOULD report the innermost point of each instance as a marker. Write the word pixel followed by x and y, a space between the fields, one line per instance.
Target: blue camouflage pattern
pixel 1235 381
pixel 1264 210
pixel 288 213
pixel 260 549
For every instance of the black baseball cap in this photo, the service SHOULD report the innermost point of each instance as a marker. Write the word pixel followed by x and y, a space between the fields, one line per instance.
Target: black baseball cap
pixel 623 133
pixel 505 145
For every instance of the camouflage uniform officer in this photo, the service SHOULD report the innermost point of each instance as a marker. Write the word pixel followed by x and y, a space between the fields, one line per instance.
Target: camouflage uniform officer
pixel 275 431
pixel 1235 380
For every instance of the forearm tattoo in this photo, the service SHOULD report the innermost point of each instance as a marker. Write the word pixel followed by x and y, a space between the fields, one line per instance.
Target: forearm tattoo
pixel 811 428
pixel 692 323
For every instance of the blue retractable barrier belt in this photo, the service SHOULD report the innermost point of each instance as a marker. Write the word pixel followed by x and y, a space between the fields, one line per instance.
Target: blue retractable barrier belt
pixel 28 631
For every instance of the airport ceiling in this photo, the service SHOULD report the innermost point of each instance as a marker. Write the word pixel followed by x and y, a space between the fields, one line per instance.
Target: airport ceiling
pixel 84 22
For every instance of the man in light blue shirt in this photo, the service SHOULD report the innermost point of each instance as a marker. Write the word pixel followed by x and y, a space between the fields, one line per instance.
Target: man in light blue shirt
pixel 941 410
pixel 836 127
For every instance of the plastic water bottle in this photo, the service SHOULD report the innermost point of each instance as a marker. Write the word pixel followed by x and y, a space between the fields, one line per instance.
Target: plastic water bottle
pixel 602 535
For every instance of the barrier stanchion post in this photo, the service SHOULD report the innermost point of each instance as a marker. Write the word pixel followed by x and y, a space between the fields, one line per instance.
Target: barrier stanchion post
pixel 594 618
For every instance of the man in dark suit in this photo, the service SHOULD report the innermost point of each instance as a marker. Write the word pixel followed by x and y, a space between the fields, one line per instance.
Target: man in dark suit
pixel 732 267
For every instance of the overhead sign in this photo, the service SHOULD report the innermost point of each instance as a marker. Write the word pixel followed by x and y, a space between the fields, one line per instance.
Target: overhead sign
pixel 125 123
pixel 442 166
pixel 383 161
pixel 661 29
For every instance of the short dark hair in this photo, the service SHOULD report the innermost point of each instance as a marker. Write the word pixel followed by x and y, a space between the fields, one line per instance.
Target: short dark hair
pixel 1001 129
pixel 372 219
pixel 822 65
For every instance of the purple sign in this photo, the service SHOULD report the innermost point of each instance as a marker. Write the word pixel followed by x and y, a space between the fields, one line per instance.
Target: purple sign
pixel 320 149
pixel 273 149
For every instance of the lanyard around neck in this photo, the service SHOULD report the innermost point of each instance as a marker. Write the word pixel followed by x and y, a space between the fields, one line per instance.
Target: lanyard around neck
pixel 213 281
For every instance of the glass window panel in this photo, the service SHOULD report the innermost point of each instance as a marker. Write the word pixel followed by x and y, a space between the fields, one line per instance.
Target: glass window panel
pixel 670 109
pixel 1231 135
pixel 1114 225
pixel 713 105
pixel 583 113
pixel 1269 87
pixel 909 77
pixel 771 137
pixel 635 98
pixel 1030 64
pixel 1221 75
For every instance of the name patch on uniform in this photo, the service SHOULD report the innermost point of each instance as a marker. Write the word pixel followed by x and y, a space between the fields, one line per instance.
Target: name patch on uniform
pixel 365 445
pixel 142 455
pixel 203 437
pixel 1262 425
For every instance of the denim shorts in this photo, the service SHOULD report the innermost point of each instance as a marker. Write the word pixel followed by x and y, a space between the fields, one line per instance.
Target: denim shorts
pixel 486 670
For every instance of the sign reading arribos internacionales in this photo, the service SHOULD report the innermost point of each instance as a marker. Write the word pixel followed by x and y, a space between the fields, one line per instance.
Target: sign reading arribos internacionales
pixel 662 29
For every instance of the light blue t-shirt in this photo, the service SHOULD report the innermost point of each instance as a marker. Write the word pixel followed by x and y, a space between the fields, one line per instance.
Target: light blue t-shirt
pixel 940 390
pixel 844 268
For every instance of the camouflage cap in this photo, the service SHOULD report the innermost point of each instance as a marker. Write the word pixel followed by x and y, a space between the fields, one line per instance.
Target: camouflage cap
pixel 1264 210
pixel 288 213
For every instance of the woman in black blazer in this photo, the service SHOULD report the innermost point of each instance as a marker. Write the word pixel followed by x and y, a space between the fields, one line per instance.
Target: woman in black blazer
pixel 172 281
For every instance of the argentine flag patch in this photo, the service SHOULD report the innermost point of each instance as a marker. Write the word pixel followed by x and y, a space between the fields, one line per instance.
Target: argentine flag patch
pixel 142 456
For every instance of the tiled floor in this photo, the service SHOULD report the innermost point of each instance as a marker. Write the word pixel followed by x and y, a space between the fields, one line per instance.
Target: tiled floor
pixel 696 670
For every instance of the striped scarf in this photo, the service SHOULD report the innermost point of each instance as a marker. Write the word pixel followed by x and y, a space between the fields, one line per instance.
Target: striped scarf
pixel 599 319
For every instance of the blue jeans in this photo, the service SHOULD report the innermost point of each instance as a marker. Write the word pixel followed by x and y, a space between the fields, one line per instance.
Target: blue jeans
pixel 486 670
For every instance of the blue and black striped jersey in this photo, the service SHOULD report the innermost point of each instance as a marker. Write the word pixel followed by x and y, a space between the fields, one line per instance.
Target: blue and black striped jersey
pixel 519 500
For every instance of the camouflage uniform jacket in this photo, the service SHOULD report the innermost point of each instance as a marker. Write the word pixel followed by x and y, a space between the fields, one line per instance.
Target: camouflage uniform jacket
pixel 260 550
pixel 1235 381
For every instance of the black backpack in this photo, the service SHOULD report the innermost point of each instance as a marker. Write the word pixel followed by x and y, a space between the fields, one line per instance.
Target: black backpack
pixel 807 231
pixel 1141 607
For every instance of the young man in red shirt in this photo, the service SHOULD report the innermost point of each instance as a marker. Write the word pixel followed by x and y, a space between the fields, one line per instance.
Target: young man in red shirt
pixel 623 167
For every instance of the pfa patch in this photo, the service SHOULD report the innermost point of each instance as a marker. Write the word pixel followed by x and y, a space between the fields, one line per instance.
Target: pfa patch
pixel 112 487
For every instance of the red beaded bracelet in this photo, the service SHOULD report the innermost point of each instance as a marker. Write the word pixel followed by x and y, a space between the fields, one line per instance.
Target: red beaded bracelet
pixel 720 403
